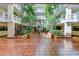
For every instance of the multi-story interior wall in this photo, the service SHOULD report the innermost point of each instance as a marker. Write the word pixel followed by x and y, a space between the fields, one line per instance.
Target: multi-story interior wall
pixel 10 15
pixel 71 17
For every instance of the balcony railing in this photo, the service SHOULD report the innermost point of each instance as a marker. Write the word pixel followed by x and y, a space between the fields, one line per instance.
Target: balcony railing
pixel 40 10
pixel 77 16
pixel 73 18
pixel 41 17
pixel 4 17
pixel 37 6
pixel 17 19
pixel 61 20
pixel 18 6
pixel 1 17
pixel 59 9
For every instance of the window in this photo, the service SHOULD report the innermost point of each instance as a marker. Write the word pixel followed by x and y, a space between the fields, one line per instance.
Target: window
pixel 3 28
pixel 75 28
pixel 58 27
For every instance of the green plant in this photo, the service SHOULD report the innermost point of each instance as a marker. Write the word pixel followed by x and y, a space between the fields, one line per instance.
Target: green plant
pixel 29 14
pixel 24 30
pixel 49 13
pixel 57 32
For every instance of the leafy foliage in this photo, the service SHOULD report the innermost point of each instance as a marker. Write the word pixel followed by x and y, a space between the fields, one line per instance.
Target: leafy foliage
pixel 49 13
pixel 52 19
pixel 29 14
pixel 24 30
pixel 57 32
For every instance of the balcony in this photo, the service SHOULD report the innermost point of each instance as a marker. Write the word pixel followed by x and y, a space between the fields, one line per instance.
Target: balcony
pixel 39 6
pixel 40 11
pixel 40 24
pixel 73 18
pixel 41 17
pixel 59 9
pixel 17 6
pixel 17 19
pixel 4 17
pixel 62 20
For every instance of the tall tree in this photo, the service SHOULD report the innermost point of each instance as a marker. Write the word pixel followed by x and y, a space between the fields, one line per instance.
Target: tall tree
pixel 49 13
pixel 29 14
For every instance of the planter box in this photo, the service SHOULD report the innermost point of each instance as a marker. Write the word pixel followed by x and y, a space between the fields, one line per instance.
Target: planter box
pixel 60 37
pixel 19 37
pixel 24 36
pixel 3 33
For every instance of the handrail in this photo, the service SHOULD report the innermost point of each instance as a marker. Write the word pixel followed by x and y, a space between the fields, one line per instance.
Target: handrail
pixel 17 6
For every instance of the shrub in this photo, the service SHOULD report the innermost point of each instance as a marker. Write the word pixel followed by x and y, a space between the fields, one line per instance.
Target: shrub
pixel 57 32
pixel 24 30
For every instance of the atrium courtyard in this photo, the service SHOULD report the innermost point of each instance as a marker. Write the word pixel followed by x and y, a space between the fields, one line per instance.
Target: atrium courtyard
pixel 39 29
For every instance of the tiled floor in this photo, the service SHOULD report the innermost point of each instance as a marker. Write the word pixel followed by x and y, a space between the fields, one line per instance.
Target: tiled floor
pixel 38 45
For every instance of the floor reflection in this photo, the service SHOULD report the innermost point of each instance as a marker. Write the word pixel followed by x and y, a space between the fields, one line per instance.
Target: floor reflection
pixel 39 45
pixel 62 46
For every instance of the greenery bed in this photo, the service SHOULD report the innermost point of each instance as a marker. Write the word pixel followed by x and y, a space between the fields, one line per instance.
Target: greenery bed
pixel 56 32
pixel 25 30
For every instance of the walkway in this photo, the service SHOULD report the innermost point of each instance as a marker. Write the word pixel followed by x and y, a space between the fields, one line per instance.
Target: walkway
pixel 44 43
pixel 38 45
pixel 57 47
pixel 18 47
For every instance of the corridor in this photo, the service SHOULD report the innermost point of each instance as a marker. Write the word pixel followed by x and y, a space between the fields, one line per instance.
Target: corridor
pixel 39 44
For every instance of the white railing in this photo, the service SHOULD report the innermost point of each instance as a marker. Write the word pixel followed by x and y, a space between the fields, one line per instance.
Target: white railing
pixel 18 6
pixel 62 19
pixel 39 6
pixel 41 17
pixel 39 10
pixel 1 17
pixel 4 17
pixel 77 16
pixel 17 19
pixel 73 18
pixel 59 9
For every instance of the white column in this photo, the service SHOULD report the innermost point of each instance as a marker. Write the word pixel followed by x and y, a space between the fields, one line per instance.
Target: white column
pixel 67 29
pixel 11 24
pixel 67 26
pixel 75 19
pixel 11 29
pixel 10 13
pixel 68 13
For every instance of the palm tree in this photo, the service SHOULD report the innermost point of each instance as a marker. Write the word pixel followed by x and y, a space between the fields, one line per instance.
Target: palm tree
pixel 28 18
pixel 50 17
pixel 29 14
